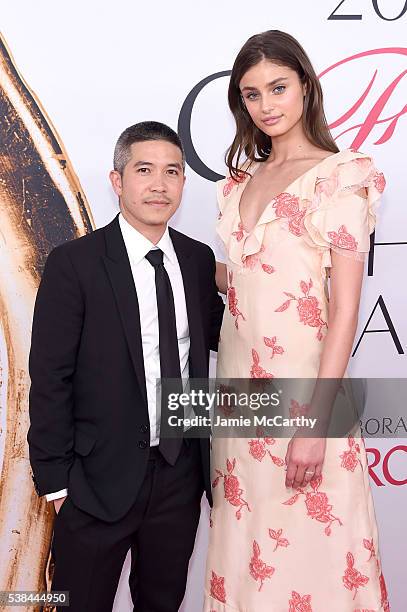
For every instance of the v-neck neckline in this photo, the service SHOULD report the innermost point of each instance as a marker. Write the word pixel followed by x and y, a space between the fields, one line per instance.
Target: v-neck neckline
pixel 298 178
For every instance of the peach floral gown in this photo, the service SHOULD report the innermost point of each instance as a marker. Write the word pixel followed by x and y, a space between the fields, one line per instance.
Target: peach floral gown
pixel 274 549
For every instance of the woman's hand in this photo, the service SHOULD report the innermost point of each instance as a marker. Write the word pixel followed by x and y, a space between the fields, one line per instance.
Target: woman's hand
pixel 304 459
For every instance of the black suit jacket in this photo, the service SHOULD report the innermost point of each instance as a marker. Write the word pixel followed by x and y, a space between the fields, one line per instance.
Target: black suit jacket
pixel 89 426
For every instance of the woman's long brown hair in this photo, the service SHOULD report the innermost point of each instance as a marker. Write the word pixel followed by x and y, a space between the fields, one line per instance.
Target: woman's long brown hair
pixel 283 49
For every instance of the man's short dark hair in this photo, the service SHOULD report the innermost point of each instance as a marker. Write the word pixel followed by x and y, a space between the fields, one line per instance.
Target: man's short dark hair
pixel 140 132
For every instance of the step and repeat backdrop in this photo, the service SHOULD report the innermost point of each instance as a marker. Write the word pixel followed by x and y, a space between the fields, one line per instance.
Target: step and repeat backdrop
pixel 72 77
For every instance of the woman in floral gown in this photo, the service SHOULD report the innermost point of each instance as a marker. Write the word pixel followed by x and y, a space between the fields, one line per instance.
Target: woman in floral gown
pixel 293 527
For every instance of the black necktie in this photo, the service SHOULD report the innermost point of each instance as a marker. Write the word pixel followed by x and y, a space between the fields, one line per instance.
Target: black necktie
pixel 168 345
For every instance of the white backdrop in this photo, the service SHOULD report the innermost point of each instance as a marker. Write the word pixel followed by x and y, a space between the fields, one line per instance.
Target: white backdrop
pixel 98 67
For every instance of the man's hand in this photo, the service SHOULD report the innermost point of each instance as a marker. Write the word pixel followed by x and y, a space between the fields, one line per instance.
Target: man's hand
pixel 58 503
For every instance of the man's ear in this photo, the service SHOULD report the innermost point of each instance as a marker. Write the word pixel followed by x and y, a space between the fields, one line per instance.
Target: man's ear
pixel 116 180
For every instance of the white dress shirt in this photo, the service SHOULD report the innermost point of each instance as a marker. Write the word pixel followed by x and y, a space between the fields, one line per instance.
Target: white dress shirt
pixel 137 247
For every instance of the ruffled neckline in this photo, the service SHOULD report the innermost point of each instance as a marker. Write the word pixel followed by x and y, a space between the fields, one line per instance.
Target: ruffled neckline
pixel 240 243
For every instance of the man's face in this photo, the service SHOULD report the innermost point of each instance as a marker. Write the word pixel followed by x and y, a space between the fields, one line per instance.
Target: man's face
pixel 150 188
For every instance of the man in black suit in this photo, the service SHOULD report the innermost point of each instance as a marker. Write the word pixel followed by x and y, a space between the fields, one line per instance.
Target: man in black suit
pixel 115 310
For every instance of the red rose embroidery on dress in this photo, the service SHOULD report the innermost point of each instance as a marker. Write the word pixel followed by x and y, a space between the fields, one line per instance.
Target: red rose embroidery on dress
pixel 317 505
pixel 309 312
pixel 296 410
pixel 232 490
pixel 261 433
pixel 349 457
pixel 232 181
pixel 276 460
pixel 276 535
pixel 233 301
pixel 218 587
pixel 343 239
pixel 352 578
pixel 256 371
pixel 287 206
pixel 228 186
pixel 319 509
pixel 307 308
pixel 300 604
pixel 251 261
pixel 326 185
pixel 383 593
pixel 258 569
pixel 254 260
pixel 379 182
pixel 239 233
pixel 258 450
pixel 296 223
pixel 267 268
pixel 368 544
pixel 275 348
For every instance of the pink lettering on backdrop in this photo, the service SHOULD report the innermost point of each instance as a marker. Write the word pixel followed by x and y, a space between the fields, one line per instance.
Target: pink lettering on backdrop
pixel 384 463
pixel 374 116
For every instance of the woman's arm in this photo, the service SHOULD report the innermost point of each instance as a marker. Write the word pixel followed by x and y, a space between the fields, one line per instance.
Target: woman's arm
pixel 345 289
pixel 221 277
pixel 307 454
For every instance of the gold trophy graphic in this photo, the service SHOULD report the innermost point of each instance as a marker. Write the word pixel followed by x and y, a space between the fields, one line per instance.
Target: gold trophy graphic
pixel 42 205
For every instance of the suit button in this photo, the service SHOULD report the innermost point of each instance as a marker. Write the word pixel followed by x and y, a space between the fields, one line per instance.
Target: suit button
pixel 144 428
pixel 142 443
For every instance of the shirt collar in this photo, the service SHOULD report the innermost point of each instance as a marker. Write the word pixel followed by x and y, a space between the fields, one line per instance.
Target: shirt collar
pixel 138 246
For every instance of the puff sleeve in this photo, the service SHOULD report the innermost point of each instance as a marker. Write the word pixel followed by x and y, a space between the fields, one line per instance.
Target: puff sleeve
pixel 342 214
pixel 228 193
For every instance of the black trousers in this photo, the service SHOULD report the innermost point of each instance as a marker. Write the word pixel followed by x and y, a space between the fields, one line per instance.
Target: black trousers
pixel 160 529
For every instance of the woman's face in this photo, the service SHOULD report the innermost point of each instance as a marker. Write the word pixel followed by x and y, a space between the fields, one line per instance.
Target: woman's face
pixel 273 96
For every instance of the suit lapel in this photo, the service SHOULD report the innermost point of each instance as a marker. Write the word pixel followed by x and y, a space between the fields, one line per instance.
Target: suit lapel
pixel 188 266
pixel 119 272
